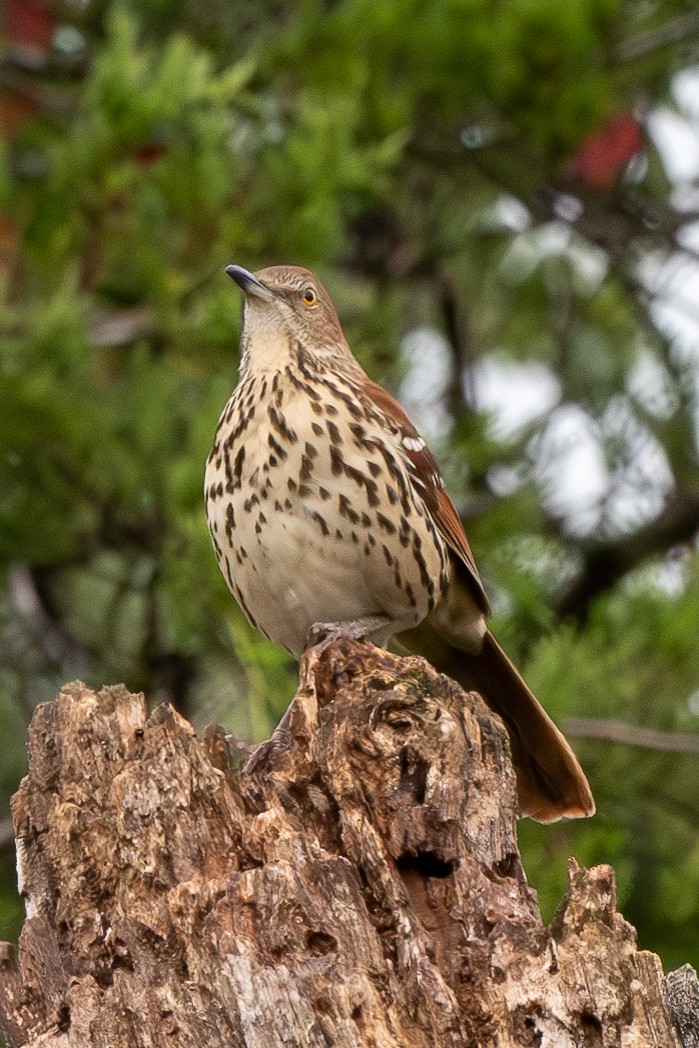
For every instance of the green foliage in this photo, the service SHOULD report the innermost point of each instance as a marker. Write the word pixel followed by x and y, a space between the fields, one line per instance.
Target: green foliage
pixel 637 661
pixel 386 145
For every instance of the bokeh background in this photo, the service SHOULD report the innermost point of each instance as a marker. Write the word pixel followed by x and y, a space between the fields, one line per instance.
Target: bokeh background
pixel 503 199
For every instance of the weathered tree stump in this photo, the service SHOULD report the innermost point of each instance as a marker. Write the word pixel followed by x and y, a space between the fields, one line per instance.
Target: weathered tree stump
pixel 357 883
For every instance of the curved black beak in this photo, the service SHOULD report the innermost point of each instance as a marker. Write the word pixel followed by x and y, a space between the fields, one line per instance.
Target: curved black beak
pixel 249 283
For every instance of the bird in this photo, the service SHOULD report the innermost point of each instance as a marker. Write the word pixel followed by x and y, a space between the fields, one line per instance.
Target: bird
pixel 326 507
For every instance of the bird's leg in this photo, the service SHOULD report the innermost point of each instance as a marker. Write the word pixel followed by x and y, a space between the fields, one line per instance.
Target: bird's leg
pixel 320 635
pixel 274 748
pixel 324 633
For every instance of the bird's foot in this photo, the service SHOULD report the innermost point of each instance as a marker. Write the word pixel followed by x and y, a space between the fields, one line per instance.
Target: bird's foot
pixel 274 752
pixel 322 634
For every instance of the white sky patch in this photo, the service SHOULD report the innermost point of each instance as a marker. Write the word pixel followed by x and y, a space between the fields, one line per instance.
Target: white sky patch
pixel 640 486
pixel 572 468
pixel 509 212
pixel 649 384
pixel 688 236
pixel 675 314
pixel 676 311
pixel 674 285
pixel 515 393
pixel 677 141
pixel 685 89
pixel 427 354
pixel 526 251
pixel 505 480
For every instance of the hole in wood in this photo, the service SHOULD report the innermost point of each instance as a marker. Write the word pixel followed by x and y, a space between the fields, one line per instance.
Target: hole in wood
pixel 427 864
pixel 357 1015
pixel 526 1026
pixel 588 1019
pixel 320 942
pixel 413 775
pixel 63 1017
pixel 506 867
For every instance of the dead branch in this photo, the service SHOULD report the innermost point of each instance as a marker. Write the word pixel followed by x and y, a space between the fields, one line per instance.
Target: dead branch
pixel 357 883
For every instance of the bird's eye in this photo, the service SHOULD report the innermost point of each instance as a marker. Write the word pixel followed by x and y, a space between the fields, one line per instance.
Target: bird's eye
pixel 309 297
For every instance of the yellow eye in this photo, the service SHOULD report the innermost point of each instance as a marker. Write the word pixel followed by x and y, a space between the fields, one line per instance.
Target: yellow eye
pixel 309 297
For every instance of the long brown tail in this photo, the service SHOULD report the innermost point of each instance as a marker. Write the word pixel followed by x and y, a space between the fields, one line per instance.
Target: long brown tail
pixel 550 782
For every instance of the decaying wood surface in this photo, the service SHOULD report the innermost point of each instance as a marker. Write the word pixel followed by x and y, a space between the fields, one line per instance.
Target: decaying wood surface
pixel 357 884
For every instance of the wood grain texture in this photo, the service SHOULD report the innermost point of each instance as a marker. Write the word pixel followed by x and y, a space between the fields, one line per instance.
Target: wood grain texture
pixel 357 884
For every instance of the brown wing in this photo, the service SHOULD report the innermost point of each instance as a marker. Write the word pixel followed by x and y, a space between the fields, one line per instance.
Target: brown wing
pixel 425 475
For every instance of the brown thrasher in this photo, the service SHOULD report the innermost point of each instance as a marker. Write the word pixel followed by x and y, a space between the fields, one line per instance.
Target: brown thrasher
pixel 325 506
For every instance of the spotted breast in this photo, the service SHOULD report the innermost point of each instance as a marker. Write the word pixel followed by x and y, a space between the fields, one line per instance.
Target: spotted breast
pixel 312 512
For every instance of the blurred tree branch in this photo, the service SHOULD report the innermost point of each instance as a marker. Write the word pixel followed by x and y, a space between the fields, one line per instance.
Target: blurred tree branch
pixel 606 561
pixel 631 735
pixel 7 835
pixel 682 29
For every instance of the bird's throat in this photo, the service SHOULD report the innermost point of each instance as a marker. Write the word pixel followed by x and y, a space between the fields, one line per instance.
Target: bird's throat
pixel 267 342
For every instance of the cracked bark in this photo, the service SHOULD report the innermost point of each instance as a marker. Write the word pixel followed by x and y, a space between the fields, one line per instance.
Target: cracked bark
pixel 356 883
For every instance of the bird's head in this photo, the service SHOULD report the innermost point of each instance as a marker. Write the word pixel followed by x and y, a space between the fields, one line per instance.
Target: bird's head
pixel 287 311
